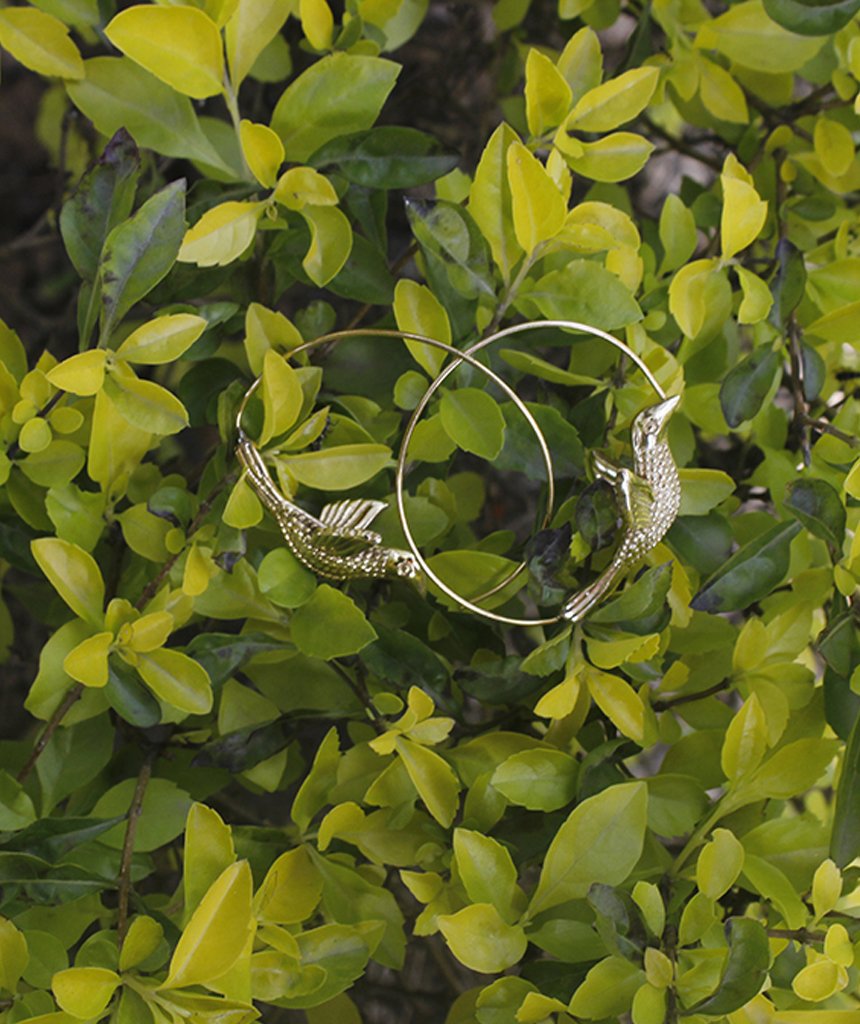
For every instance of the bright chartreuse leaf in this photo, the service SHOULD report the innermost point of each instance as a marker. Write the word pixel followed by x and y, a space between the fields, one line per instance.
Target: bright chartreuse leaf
pixel 479 938
pixel 222 234
pixel 75 576
pixel 490 200
pixel 433 777
pixel 40 42
pixel 600 841
pixel 337 469
pixel 748 36
pixel 538 207
pixel 250 29
pixel 177 680
pixel 548 95
pixel 84 992
pixel 615 102
pixel 474 421
pixel 180 45
pixel 418 311
pixel 162 340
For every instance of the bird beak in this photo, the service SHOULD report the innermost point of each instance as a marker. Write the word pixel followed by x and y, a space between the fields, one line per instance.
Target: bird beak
pixel 664 410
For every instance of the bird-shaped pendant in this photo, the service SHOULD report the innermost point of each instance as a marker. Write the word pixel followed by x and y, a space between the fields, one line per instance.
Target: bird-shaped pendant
pixel 338 544
pixel 648 497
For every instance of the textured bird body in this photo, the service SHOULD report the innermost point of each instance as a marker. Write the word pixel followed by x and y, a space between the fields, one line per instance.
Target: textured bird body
pixel 648 496
pixel 339 544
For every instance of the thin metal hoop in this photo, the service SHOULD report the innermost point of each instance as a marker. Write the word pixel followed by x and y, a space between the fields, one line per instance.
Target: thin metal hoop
pixel 461 357
pixel 466 356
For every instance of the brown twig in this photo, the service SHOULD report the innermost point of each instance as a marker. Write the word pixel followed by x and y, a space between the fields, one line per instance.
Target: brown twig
pixel 797 934
pixel 827 428
pixel 59 714
pixel 689 698
pixel 801 407
pixel 682 146
pixel 398 264
pixel 124 878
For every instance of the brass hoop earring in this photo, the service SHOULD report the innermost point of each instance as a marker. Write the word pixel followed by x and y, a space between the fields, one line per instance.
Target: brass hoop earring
pixel 648 496
pixel 339 544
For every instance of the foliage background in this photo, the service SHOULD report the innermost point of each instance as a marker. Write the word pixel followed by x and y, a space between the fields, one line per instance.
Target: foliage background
pixel 226 785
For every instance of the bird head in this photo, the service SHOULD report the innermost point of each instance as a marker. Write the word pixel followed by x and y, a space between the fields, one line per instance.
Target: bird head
pixel 402 565
pixel 650 425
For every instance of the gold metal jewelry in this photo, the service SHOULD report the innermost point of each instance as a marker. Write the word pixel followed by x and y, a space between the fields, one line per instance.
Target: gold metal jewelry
pixel 339 544
pixel 648 496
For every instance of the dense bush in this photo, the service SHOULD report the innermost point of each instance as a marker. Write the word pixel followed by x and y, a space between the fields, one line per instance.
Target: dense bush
pixel 249 791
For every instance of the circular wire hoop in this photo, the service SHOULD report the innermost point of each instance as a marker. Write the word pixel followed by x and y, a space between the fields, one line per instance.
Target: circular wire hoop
pixel 467 356
pixel 461 357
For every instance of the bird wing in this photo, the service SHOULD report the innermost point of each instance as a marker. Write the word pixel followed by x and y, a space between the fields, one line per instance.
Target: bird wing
pixel 351 514
pixel 638 499
pixel 604 469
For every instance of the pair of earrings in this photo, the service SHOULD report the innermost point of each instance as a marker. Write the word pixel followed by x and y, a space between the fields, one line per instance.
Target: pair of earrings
pixel 340 545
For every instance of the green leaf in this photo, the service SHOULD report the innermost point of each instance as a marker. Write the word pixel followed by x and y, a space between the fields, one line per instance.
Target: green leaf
pixel 490 202
pixel 537 205
pixel 252 26
pixel 600 841
pixel 13 955
pixel 839 325
pixel 677 233
pixel 703 489
pixel 102 200
pixel 337 95
pixel 548 95
pixel 486 870
pixel 145 404
pixel 291 889
pixel 40 42
pixel 216 935
pixel 615 102
pixel 418 311
pixel 163 339
pixel 139 252
pixel 539 779
pixel 340 468
pixel 845 836
pixel 433 777
pixel 129 697
pixel 789 284
pixel 473 421
pixel 794 768
pixel 116 93
pixel 330 625
pixel 586 292
pixel 616 157
pixel 16 807
pixel 818 506
pixel 745 969
pixel 176 679
pixel 162 817
pixel 746 35
pixel 818 18
pixel 607 990
pixel 46 883
pixel 452 243
pixel 85 992
pixel 639 604
pixel 331 242
pixel 386 157
pixel 73 573
pixel 284 580
pixel 479 938
pixel 750 574
pixel 208 850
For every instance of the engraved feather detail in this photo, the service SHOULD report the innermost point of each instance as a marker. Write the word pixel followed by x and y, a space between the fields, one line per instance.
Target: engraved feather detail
pixel 649 497
pixel 339 544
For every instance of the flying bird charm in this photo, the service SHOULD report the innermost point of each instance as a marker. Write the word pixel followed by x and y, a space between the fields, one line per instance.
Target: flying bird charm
pixel 648 496
pixel 338 544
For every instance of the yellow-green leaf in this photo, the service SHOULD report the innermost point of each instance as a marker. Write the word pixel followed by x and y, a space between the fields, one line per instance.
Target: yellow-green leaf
pixel 141 941
pixel 433 777
pixel 252 26
pixel 162 340
pixel 331 242
pixel 743 216
pixel 145 404
pixel 176 679
pixel 88 662
pixel 687 295
pixel 614 158
pixel 243 509
pixel 330 625
pixel 720 863
pixel 338 469
pixel 317 23
pixel 291 889
pixel 474 421
pixel 282 396
pixel 217 933
pixel 479 938
pixel 757 297
pixel 490 200
pixel 746 740
pixel 82 374
pixel 222 234
pixel 721 94
pixel 548 95
pixel 14 955
pixel 611 104
pixel 417 310
pixel 266 329
pixel 85 992
pixel 746 35
pixel 264 151
pixel 703 489
pixel 208 851
pixel 147 633
pixel 619 702
pixel 538 207
pixel 303 186
pixel 40 42
pixel 180 45
pixel 73 573
pixel 834 146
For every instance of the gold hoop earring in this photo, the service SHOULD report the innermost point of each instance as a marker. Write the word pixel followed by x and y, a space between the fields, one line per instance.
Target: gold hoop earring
pixel 648 496
pixel 339 543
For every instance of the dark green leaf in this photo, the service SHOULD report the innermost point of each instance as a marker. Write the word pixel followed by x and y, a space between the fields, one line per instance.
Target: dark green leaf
pixel 597 515
pixel 127 695
pixel 139 252
pixel 401 659
pixel 521 453
pixel 841 703
pixel 745 387
pixel 705 542
pixel 814 371
pixel 175 504
pixel 201 386
pixel 52 837
pixel 43 882
pixel 242 749
pixel 221 654
pixel 840 644
pixel 818 506
pixel 845 837
pixel 812 17
pixel 788 284
pixel 15 540
pixel 386 157
pixel 745 969
pixel 547 552
pixel 365 276
pixel 750 574
pixel 498 682
pixel 101 201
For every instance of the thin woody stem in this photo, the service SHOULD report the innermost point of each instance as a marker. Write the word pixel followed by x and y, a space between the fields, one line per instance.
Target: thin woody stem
pixel 124 878
pixel 59 714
